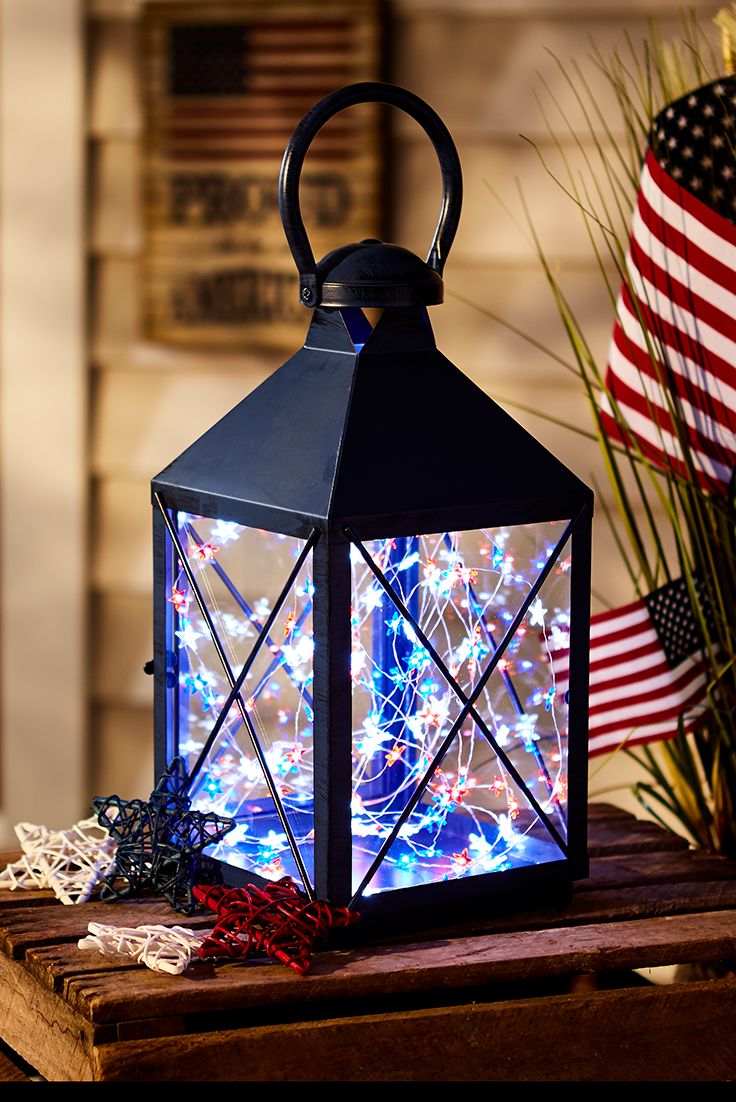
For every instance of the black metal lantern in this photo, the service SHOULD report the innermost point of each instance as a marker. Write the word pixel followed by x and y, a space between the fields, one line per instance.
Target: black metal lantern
pixel 367 581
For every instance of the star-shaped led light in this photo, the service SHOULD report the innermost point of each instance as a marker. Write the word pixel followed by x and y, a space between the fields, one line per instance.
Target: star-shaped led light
pixel 188 635
pixel 226 530
pixel 537 613
pixel 180 600
pixel 205 552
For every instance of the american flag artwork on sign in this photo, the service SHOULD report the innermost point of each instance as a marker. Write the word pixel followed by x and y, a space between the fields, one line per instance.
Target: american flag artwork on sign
pixel 647 671
pixel 224 85
pixel 236 89
pixel 671 373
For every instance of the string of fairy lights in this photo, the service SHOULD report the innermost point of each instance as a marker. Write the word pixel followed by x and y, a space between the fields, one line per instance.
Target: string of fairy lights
pixel 455 592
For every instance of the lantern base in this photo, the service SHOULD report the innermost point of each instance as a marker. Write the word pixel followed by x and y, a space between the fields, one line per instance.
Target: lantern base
pixel 533 877
pixel 482 905
pixel 417 861
pixel 453 909
pixel 420 860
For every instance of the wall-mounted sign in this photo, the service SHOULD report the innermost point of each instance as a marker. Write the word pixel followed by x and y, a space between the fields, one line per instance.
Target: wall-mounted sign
pixel 225 84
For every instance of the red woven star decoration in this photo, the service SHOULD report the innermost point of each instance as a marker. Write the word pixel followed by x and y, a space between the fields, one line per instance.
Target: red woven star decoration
pixel 277 920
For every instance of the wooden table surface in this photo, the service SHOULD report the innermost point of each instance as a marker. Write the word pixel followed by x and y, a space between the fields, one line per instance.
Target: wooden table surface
pixel 548 994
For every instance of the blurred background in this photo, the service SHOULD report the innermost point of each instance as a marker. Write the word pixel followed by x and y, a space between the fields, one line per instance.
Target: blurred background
pixel 145 288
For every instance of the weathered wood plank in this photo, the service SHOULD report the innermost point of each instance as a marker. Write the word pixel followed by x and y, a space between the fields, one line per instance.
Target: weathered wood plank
pixel 636 842
pixel 493 228
pixel 384 974
pixel 141 421
pixel 612 904
pixel 628 885
pixel 41 1028
pixel 633 869
pixel 115 315
pixel 115 206
pixel 123 629
pixel 20 897
pixel 620 836
pixel 24 927
pixel 56 962
pixel 114 101
pixel 678 1033
pixel 123 760
pixel 118 1001
pixel 10 1071
pixel 122 521
pixel 601 810
pixel 510 48
pixel 482 346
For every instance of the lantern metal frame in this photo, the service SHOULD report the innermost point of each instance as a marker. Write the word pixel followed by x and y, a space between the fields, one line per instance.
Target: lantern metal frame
pixel 292 458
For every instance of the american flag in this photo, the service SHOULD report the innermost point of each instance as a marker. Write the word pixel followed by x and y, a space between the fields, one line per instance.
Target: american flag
pixel 646 670
pixel 671 374
pixel 236 88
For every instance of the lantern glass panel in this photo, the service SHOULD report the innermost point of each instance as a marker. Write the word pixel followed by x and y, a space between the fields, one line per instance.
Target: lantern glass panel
pixel 258 766
pixel 414 668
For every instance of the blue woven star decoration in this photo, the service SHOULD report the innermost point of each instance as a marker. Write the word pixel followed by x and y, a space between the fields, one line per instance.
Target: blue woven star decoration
pixel 160 842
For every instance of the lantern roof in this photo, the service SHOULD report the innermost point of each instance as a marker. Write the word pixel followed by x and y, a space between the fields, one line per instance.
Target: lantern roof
pixel 375 429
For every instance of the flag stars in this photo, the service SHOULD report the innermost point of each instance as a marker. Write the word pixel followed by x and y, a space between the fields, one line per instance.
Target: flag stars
pixel 697 157
pixel 718 89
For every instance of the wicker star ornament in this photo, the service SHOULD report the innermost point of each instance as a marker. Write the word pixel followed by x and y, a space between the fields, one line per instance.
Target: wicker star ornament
pixel 161 842
pixel 276 920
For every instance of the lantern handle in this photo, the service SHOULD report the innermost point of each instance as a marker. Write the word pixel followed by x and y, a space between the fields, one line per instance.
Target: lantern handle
pixel 304 134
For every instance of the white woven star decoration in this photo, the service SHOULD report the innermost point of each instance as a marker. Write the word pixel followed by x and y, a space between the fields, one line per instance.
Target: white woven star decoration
pixel 162 948
pixel 70 862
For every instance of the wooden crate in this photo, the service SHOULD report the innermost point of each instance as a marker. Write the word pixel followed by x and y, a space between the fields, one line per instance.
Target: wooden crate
pixel 548 994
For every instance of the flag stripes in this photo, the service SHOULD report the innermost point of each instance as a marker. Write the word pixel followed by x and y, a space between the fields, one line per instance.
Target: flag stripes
pixel 634 696
pixel 671 362
pixel 277 86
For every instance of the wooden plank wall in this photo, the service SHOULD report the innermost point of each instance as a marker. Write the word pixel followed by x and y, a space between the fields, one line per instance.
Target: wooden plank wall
pixel 43 414
pixel 481 64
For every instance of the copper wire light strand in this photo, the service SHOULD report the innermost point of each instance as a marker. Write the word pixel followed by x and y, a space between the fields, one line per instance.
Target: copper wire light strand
pixel 468 701
pixel 239 700
pixel 263 637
